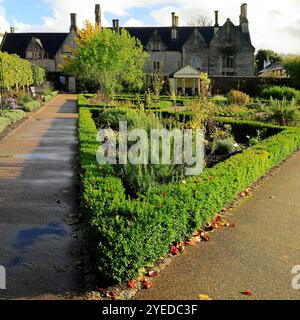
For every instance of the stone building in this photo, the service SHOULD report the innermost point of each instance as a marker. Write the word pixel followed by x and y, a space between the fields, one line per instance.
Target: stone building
pixel 220 51
pixel 46 49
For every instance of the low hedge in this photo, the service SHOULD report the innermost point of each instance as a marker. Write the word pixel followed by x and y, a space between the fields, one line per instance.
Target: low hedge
pixel 277 92
pixel 128 234
pixel 13 115
pixel 48 97
pixel 31 106
pixel 4 123
pixel 8 117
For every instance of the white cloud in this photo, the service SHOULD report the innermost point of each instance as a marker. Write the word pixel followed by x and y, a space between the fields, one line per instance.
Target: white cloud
pixel 133 23
pixel 273 24
pixel 4 25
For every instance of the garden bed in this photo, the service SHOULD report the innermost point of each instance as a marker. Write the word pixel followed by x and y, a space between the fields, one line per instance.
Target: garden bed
pixel 127 234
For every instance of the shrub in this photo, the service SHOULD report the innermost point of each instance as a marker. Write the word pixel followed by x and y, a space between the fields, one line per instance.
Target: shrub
pixel 283 112
pixel 279 93
pixel 4 123
pixel 128 234
pixel 48 97
pixel 238 97
pixel 31 106
pixel 13 115
pixel 225 146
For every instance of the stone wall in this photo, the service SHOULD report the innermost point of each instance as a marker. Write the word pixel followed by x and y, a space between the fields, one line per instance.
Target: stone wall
pixel 170 61
pixel 196 47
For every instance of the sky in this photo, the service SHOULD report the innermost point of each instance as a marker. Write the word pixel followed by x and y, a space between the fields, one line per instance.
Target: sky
pixel 274 24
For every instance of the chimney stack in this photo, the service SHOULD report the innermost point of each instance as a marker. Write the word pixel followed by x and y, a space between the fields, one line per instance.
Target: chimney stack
pixel 12 30
pixel 216 18
pixel 117 26
pixel 175 24
pixel 98 21
pixel 73 22
pixel 216 26
pixel 244 10
pixel 173 20
pixel 244 23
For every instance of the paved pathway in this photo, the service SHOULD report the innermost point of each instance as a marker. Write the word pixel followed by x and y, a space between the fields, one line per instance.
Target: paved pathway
pixel 38 185
pixel 257 255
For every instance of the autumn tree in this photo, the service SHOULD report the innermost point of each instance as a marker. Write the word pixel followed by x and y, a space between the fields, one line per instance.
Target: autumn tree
pixel 106 60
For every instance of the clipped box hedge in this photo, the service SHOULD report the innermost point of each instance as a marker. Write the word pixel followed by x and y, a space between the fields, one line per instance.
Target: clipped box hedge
pixel 31 105
pixel 8 117
pixel 4 123
pixel 128 234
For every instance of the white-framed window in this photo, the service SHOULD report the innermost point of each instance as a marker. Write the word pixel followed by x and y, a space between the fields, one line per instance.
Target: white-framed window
pixel 156 65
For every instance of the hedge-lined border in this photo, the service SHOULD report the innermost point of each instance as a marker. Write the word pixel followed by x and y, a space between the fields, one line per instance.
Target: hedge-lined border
pixel 128 234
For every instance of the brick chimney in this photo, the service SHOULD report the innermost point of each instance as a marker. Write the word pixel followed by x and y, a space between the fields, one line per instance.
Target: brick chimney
pixel 244 23
pixel 73 25
pixel 98 21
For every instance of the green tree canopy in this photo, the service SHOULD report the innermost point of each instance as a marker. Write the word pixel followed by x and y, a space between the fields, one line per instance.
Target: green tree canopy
pixel 106 60
pixel 292 66
pixel 265 55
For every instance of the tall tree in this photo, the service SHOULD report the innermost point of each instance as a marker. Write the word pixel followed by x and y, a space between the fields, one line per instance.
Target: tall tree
pixel 266 55
pixel 292 66
pixel 106 60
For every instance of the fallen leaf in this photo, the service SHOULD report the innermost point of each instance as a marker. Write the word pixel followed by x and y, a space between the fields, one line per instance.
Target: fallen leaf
pixel 204 297
pixel 205 237
pixel 152 274
pixel 141 278
pixel 131 284
pixel 147 284
pixel 174 250
pixel 190 243
pixel 232 225
pixel 111 295
pixel 247 293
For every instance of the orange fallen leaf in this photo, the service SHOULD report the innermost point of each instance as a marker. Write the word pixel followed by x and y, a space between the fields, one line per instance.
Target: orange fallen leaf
pixel 204 297
pixel 232 225
pixel 131 284
pixel 247 293
pixel 190 243
pixel 147 284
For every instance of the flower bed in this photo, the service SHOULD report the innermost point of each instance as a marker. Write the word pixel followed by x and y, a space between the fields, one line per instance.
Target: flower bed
pixel 128 234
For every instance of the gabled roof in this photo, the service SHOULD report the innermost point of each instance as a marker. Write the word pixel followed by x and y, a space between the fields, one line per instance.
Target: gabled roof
pixel 187 72
pixel 183 33
pixel 273 67
pixel 17 43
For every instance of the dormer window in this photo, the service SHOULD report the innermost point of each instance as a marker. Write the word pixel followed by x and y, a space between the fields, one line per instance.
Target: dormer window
pixel 156 43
